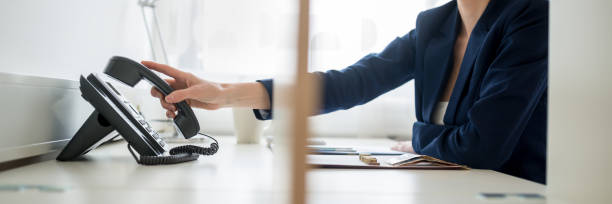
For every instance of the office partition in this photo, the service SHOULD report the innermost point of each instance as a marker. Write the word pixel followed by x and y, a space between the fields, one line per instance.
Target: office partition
pixel 580 94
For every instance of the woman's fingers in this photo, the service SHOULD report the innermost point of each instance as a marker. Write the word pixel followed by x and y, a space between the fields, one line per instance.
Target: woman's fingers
pixel 396 147
pixel 167 106
pixel 181 95
pixel 165 69
pixel 403 147
pixel 185 87
pixel 155 93
pixel 170 114
pixel 174 85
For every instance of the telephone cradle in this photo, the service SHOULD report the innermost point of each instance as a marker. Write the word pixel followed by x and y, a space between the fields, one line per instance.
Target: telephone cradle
pixel 114 112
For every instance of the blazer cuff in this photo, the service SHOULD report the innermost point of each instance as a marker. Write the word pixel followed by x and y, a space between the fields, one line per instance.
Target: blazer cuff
pixel 423 133
pixel 262 114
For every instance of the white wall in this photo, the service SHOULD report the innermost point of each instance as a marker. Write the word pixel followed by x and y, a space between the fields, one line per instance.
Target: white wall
pixel 244 40
pixel 579 153
pixel 338 41
pixel 44 47
pixel 228 41
pixel 62 39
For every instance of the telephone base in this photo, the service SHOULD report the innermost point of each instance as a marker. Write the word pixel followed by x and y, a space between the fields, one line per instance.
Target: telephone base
pixel 92 133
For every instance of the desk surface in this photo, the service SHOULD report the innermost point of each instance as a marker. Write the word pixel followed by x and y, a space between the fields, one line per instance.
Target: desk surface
pixel 244 174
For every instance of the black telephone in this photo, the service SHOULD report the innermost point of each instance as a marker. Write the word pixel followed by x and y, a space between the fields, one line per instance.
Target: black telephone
pixel 114 112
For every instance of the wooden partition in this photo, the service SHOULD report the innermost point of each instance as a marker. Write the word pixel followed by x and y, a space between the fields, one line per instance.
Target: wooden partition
pixel 304 95
pixel 294 100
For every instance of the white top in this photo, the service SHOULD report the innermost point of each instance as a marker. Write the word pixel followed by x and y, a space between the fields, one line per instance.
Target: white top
pixel 439 111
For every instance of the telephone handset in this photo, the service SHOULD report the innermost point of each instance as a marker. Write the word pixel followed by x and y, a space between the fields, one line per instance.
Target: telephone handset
pixel 131 72
pixel 114 112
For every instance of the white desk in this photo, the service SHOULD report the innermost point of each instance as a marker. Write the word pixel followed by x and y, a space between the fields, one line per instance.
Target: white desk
pixel 244 174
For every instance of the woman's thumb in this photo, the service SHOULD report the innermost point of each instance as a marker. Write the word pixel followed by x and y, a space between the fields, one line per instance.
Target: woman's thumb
pixel 179 95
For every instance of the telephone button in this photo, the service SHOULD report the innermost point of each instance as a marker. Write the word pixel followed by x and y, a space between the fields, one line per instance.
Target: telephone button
pixel 155 135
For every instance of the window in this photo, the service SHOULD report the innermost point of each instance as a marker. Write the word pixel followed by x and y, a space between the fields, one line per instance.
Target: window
pixel 243 40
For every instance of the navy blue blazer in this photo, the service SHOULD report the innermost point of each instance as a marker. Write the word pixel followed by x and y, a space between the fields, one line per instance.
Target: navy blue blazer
pixel 496 116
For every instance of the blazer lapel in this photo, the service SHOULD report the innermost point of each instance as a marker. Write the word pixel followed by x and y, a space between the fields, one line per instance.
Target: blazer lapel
pixel 437 61
pixel 471 54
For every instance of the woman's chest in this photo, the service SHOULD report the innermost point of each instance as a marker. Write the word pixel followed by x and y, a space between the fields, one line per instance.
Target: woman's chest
pixel 453 70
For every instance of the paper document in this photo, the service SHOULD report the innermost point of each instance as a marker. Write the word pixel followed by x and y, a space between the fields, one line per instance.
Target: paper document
pixel 405 161
pixel 342 150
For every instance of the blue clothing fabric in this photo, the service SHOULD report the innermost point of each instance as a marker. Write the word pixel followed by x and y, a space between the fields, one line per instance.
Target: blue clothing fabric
pixel 496 116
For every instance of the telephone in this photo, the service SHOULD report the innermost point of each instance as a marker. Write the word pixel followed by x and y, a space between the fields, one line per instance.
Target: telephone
pixel 114 112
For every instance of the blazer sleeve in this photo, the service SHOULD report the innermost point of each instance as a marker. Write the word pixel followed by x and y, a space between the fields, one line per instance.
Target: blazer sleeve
pixel 363 81
pixel 510 91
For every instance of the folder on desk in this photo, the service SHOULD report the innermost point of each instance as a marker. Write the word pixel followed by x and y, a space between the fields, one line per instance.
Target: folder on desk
pixel 405 161
pixel 326 150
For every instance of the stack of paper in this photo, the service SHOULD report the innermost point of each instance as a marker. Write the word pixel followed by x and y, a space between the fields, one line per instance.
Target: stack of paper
pixel 404 161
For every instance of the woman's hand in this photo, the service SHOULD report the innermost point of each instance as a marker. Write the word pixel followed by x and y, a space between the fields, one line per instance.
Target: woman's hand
pixel 200 93
pixel 405 146
pixel 196 92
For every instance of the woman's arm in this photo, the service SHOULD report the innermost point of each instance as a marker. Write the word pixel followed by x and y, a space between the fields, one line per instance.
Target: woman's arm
pixel 251 95
pixel 357 84
pixel 372 76
pixel 365 80
pixel 205 94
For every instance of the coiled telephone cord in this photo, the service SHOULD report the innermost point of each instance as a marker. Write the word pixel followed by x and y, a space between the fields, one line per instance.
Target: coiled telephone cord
pixel 178 154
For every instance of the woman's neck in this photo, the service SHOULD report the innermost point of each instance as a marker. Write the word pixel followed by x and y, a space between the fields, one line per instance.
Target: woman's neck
pixel 470 11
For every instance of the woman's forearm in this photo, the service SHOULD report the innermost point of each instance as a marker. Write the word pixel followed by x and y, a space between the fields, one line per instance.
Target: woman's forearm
pixel 250 94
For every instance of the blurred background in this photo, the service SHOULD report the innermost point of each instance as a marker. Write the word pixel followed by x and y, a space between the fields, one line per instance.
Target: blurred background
pixel 224 41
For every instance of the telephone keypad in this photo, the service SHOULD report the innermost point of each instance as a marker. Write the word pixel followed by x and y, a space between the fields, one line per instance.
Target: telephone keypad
pixel 146 125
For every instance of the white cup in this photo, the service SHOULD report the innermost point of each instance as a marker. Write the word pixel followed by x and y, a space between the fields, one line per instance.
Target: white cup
pixel 247 128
